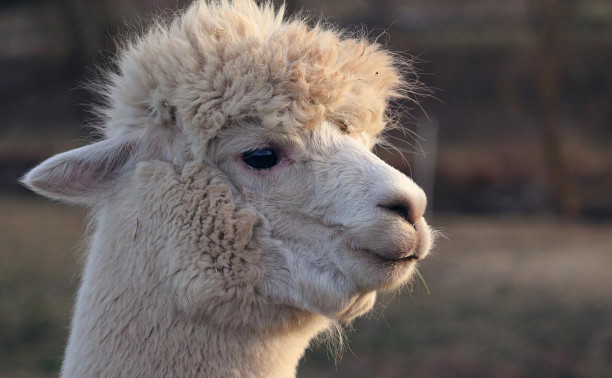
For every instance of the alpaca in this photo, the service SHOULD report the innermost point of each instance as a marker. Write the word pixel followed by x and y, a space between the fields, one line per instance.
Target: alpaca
pixel 237 205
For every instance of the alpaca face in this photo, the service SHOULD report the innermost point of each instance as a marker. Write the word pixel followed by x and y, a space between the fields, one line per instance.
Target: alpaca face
pixel 348 223
pixel 261 100
pixel 317 222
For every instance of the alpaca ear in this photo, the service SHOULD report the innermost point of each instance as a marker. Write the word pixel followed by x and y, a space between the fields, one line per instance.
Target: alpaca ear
pixel 78 175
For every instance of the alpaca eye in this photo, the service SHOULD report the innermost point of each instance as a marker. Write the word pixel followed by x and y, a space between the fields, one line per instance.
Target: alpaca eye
pixel 263 158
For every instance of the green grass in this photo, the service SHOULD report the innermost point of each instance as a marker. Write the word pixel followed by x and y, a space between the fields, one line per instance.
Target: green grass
pixel 508 298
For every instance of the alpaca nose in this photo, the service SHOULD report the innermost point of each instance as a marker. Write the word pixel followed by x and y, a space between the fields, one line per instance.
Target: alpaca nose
pixel 404 208
pixel 401 210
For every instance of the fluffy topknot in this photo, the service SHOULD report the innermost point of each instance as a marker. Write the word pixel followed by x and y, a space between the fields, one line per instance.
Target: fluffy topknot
pixel 225 60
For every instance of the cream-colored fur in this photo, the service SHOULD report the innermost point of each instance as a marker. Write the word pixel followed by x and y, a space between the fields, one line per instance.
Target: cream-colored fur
pixel 200 265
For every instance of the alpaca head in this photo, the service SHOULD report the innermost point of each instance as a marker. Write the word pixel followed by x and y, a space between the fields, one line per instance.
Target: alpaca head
pixel 257 134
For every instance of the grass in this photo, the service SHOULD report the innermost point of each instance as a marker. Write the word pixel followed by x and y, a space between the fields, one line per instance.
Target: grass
pixel 420 276
pixel 508 297
pixel 38 263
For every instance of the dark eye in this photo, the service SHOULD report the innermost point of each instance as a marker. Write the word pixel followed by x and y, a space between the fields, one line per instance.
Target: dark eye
pixel 263 158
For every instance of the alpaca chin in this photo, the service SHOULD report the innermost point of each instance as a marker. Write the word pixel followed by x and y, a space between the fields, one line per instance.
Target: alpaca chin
pixel 358 306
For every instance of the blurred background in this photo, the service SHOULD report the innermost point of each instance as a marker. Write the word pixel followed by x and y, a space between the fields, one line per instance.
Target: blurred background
pixel 514 149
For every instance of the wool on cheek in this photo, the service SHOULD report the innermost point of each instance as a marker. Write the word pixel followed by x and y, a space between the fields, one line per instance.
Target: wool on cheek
pixel 213 261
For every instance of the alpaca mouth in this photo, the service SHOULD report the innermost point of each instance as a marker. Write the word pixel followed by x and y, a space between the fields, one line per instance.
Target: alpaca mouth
pixel 408 258
pixel 392 260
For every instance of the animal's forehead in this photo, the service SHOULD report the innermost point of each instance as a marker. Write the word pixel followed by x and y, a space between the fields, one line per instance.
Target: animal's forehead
pixel 326 137
pixel 224 61
pixel 292 79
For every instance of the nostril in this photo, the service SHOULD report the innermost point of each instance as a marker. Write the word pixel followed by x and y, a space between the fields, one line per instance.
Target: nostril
pixel 401 210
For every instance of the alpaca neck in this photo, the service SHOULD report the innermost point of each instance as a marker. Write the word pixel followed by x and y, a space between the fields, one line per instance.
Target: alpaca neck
pixel 140 346
pixel 124 325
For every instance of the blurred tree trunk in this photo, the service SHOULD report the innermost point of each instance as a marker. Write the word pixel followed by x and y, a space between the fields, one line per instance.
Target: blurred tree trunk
pixel 551 21
pixel 86 23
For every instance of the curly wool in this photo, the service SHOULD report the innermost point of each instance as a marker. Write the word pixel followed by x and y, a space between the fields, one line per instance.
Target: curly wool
pixel 186 275
pixel 183 264
pixel 229 60
pixel 215 266
pixel 198 268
